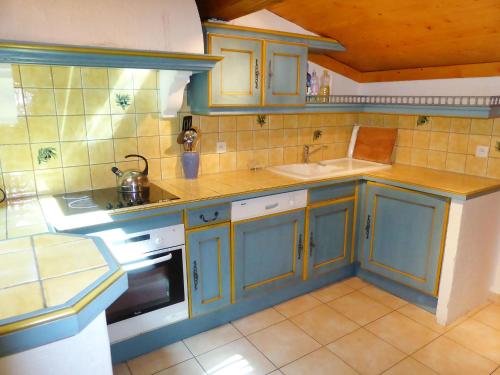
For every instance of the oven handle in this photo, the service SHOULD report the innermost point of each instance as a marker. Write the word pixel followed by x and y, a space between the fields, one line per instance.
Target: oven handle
pixel 146 263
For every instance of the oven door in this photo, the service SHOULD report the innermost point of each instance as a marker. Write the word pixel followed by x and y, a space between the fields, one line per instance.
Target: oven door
pixel 155 281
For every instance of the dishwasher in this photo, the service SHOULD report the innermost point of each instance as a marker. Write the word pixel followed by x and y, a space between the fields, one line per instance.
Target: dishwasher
pixel 268 242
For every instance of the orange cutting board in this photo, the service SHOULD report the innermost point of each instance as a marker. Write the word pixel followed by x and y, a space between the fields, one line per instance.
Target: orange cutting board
pixel 375 144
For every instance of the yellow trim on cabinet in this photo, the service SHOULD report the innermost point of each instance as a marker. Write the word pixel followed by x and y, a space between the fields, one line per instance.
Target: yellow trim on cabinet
pixel 354 218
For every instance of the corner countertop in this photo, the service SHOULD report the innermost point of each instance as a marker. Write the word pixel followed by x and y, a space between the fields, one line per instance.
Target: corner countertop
pixel 52 286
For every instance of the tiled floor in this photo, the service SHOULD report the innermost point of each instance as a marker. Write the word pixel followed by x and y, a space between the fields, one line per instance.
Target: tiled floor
pixel 347 328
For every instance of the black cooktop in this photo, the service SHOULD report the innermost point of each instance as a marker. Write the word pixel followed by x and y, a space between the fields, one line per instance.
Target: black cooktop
pixel 109 199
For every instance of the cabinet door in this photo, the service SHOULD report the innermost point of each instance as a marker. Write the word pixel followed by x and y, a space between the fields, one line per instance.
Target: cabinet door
pixel 268 253
pixel 330 237
pixel 285 81
pixel 236 80
pixel 209 268
pixel 404 235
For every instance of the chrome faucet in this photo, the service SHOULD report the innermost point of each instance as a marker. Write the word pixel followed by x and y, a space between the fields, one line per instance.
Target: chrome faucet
pixel 308 152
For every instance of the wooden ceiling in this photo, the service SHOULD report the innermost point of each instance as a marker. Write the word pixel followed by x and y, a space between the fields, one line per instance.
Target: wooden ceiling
pixel 391 40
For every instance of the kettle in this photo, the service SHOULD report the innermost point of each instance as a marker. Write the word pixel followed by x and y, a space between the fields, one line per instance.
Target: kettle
pixel 131 180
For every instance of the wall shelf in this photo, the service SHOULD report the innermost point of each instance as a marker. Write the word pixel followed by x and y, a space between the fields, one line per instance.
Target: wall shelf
pixel 14 52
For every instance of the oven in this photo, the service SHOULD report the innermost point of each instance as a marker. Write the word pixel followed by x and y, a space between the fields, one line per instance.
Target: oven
pixel 155 262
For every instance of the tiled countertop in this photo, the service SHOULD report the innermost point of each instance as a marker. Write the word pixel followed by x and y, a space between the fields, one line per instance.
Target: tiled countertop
pixel 53 279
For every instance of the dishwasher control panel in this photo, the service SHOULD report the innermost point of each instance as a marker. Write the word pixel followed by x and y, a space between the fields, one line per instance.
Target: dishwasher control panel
pixel 270 204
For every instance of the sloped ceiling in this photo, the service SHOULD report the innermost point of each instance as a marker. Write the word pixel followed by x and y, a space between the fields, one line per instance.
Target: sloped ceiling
pixel 388 39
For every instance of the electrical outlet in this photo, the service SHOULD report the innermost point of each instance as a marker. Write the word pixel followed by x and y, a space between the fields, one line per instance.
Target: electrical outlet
pixel 221 147
pixel 482 151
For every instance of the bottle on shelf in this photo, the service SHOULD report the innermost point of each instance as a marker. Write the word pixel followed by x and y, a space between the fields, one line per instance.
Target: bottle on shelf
pixel 314 83
pixel 324 90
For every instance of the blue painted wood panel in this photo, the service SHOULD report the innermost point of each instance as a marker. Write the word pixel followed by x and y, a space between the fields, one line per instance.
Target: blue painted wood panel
pixel 403 235
pixel 209 269
pixel 268 253
pixel 236 80
pixel 336 191
pixel 330 237
pixel 208 215
pixel 286 69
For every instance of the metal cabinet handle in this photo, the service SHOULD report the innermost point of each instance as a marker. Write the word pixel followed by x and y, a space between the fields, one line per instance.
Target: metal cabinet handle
pixel 269 75
pixel 205 220
pixel 271 206
pixel 311 243
pixel 367 227
pixel 257 73
pixel 300 247
pixel 195 275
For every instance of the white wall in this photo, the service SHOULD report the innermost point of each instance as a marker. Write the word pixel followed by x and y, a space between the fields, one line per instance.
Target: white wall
pixel 163 25
pixel 344 86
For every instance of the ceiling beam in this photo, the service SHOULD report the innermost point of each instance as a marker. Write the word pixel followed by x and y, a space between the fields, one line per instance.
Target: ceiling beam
pixel 231 9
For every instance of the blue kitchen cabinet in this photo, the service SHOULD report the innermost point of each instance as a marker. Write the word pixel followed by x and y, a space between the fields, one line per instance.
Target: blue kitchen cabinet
pixel 286 70
pixel 267 253
pixel 236 80
pixel 330 236
pixel 403 235
pixel 209 268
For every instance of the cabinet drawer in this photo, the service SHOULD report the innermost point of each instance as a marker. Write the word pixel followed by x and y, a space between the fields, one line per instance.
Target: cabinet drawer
pixel 332 192
pixel 197 217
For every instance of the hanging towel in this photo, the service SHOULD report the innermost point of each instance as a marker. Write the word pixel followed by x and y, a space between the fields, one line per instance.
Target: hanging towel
pixel 172 84
pixel 8 111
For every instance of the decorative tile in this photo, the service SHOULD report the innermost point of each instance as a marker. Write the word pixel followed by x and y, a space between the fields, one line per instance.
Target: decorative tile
pixel 160 359
pixel 283 343
pixel 17 268
pixel 46 155
pixel 324 324
pixel 297 305
pixel 212 339
pixel 22 299
pixel 447 357
pixel 365 352
pixel 402 332
pixel 238 357
pixel 359 308
pixel 383 297
pixel 320 362
pixel 255 322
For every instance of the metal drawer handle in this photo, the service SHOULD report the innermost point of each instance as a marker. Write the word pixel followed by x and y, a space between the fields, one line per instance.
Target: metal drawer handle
pixel 195 275
pixel 367 227
pixel 257 73
pixel 205 220
pixel 301 247
pixel 311 244
pixel 270 75
pixel 271 206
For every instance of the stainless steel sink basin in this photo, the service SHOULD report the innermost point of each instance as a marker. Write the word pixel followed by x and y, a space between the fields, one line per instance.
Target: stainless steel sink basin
pixel 327 168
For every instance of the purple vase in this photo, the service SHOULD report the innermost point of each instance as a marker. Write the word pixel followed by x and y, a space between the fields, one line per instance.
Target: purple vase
pixel 190 164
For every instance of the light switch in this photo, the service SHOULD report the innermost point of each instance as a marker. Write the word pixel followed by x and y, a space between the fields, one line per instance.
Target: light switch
pixel 482 151
pixel 221 147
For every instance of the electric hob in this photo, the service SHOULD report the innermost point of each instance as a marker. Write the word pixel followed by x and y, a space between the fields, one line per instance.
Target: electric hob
pixel 109 199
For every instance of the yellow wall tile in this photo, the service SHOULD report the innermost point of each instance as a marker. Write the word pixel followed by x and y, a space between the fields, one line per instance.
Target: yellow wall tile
pixel 481 126
pixel 16 75
pixel 405 138
pixel 39 102
pixel 71 128
pixel 98 127
pixel 169 146
pixel 261 139
pixel 123 147
pixel 101 151
pixel 101 176
pixel 477 140
pixel 146 101
pixel 210 124
pixel 291 137
pixel 43 129
pixel 275 122
pixel 421 139
pixel 49 181
pixel 439 141
pixel 244 159
pixel 290 155
pixel 120 78
pixel 245 123
pixel 476 166
pixel 77 178
pixel 455 162
pixel 276 138
pixel 74 153
pixel 305 136
pixel 54 162
pixel 147 124
pixel 69 101
pixel 19 184
pixel 171 167
pixel 230 139
pixel 16 158
pixel 436 159
pixel 493 170
pixel 96 101
pixel 208 143
pixel 154 169
pixel 260 159
pixel 67 77
pixel 304 121
pixel 227 162
pixel 95 78
pixel 495 147
pixel 407 122
pixel 276 156
pixel 36 76
pixel 124 126
pixel 458 143
pixel 290 121
pixel 419 157
pixel 14 133
pixel 460 125
pixel 209 163
pixel 244 140
pixel 21 110
pixel 403 155
pixel 496 126
pixel 440 124
pixel 228 123
pixel 144 78
pixel 169 126
pixel 118 108
pixel 149 147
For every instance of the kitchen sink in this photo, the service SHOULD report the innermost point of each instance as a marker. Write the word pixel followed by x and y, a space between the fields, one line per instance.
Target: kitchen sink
pixel 327 168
